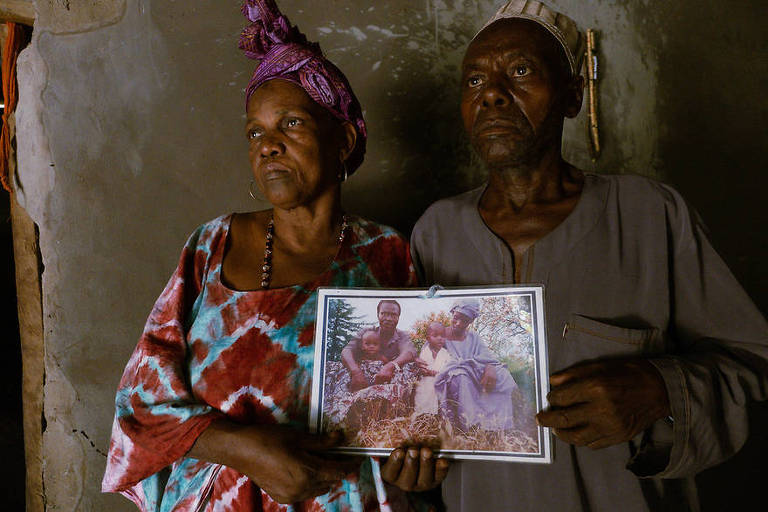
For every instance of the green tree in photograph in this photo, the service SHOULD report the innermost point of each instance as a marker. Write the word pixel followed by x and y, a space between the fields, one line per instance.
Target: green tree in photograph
pixel 343 324
pixel 505 327
pixel 504 324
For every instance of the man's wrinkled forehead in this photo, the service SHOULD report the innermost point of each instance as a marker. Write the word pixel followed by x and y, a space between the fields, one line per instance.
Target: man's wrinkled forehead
pixel 565 30
pixel 516 37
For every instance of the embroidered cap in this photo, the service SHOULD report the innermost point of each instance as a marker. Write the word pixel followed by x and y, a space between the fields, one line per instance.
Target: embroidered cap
pixel 563 28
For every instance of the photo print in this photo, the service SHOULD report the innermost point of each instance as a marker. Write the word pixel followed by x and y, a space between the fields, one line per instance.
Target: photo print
pixel 461 370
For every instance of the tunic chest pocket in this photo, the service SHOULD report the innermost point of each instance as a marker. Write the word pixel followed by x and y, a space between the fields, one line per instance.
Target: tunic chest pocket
pixel 586 338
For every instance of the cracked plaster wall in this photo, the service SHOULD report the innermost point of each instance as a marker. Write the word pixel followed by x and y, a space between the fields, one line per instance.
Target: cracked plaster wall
pixel 130 135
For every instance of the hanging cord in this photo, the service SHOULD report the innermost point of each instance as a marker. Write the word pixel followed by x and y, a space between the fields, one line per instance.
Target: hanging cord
pixel 432 292
pixel 381 492
pixel 15 42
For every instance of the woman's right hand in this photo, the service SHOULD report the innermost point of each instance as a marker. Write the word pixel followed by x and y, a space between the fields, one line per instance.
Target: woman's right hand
pixel 287 464
pixel 291 467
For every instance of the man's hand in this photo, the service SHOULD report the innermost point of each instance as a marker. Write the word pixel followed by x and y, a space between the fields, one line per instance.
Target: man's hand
pixel 604 403
pixel 423 367
pixel 385 374
pixel 488 380
pixel 414 469
pixel 357 380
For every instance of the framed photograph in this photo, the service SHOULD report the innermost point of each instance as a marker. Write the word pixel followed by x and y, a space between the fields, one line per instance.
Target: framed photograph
pixel 463 370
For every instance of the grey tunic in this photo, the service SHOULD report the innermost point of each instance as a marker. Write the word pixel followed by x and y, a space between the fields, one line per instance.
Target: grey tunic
pixel 629 272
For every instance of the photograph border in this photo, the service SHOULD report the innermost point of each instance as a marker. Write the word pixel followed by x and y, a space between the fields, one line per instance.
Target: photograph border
pixel 541 361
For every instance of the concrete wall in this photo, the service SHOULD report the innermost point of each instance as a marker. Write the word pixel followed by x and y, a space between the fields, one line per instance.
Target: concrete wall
pixel 130 134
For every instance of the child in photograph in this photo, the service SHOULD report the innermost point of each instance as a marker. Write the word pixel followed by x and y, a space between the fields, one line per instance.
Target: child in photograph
pixel 432 358
pixel 370 348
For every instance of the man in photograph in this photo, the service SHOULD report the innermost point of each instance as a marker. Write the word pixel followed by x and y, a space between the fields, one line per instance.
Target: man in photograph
pixel 395 346
pixel 474 389
pixel 655 347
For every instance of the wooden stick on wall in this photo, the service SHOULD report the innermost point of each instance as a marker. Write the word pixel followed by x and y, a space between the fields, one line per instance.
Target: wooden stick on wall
pixel 593 128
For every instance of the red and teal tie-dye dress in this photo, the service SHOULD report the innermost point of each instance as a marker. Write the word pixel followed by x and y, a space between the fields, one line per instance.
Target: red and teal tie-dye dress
pixel 208 352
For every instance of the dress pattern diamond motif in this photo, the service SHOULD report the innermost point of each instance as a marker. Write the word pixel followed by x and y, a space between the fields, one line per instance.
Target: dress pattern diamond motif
pixel 208 352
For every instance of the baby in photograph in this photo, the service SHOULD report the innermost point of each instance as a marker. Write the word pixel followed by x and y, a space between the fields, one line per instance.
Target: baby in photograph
pixel 370 348
pixel 432 358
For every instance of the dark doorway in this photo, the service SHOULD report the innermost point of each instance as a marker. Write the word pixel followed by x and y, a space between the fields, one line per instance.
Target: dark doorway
pixel 12 474
pixel 12 481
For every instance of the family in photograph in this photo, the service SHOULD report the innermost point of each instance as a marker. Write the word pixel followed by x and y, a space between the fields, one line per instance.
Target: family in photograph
pixel 456 381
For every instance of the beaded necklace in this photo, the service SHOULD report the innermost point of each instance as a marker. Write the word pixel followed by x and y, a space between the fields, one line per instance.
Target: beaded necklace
pixel 266 268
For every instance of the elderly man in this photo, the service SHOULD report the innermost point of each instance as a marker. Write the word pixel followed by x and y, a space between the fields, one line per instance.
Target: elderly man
pixel 474 388
pixel 396 346
pixel 656 347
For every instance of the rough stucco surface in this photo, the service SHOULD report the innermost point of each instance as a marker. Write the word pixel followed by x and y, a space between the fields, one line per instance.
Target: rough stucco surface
pixel 63 16
pixel 130 134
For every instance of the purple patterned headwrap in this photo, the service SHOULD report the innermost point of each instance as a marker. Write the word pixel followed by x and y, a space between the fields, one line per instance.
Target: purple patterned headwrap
pixel 284 52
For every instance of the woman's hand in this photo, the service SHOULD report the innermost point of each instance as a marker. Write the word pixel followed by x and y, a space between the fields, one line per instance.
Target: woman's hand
pixel 291 468
pixel 287 464
pixel 488 380
pixel 414 469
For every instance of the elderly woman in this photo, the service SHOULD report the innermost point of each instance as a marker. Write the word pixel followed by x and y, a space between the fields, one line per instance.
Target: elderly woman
pixel 212 407
pixel 474 388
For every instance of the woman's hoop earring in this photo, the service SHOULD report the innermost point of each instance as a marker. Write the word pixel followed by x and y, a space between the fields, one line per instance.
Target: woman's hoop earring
pixel 345 173
pixel 250 192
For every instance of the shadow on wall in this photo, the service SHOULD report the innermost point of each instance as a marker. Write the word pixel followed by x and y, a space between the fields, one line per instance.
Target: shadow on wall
pixel 409 87
pixel 434 150
pixel 739 483
pixel 712 111
pixel 713 75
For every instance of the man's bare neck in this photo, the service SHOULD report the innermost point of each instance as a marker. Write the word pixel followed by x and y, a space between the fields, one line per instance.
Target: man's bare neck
pixel 522 208
pixel 512 189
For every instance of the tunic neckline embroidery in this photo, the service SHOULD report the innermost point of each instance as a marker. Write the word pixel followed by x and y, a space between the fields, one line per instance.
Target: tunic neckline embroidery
pixel 578 223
